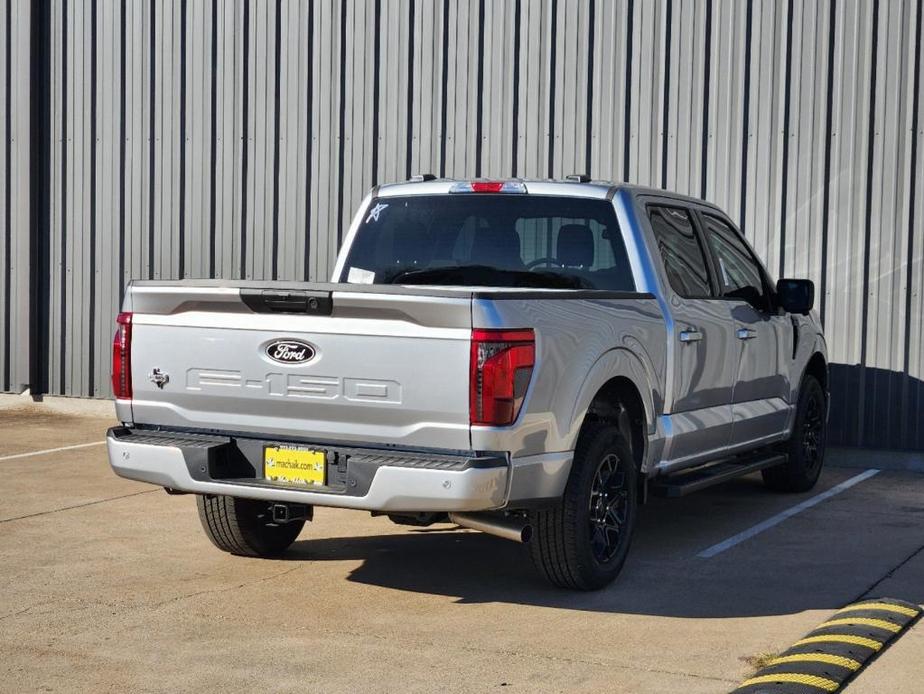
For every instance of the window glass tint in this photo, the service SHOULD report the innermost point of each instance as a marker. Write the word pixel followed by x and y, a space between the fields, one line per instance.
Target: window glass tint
pixel 740 276
pixel 490 240
pixel 681 251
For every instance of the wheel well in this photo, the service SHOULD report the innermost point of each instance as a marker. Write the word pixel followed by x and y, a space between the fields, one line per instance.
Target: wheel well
pixel 818 367
pixel 619 402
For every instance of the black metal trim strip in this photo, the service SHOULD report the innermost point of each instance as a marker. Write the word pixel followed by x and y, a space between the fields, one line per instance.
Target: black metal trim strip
pixel 274 261
pixel 181 222
pixel 907 409
pixel 826 203
pixel 515 131
pixel 591 38
pixel 409 152
pixel 445 86
pixel 666 106
pixel 860 429
pixel 479 97
pixel 122 129
pixel 94 150
pixel 245 103
pixel 309 129
pixel 152 135
pixel 7 217
pixel 627 90
pixel 787 107
pixel 341 122
pixel 213 153
pixel 62 289
pixel 745 114
pixel 376 77
pixel 707 77
pixel 41 231
pixel 553 57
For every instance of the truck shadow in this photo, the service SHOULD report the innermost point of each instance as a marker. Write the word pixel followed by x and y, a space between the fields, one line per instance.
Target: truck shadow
pixel 821 559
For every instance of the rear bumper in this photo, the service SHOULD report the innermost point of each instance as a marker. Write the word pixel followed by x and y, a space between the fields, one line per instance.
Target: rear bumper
pixel 371 480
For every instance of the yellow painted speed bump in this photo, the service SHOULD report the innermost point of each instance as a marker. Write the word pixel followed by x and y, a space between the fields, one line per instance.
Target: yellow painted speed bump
pixel 827 658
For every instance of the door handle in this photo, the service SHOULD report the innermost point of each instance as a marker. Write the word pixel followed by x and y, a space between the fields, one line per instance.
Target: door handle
pixel 746 334
pixel 690 335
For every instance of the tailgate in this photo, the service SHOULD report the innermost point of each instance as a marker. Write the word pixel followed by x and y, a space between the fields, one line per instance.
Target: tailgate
pixel 356 367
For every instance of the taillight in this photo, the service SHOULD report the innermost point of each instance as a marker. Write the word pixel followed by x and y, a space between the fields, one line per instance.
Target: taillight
pixel 501 365
pixel 122 358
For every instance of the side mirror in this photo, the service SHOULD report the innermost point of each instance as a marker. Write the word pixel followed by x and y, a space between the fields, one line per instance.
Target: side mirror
pixel 795 296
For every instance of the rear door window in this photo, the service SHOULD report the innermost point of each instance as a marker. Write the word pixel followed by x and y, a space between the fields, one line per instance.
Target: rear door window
pixel 681 251
pixel 499 240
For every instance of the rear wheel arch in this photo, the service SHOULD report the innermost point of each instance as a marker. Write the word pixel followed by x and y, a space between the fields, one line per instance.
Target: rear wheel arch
pixel 618 402
pixel 618 378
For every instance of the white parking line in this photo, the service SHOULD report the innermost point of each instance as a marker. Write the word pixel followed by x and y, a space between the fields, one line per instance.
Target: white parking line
pixel 50 450
pixel 788 513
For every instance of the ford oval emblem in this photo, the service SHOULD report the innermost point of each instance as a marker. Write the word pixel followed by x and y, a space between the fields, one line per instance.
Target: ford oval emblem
pixel 290 351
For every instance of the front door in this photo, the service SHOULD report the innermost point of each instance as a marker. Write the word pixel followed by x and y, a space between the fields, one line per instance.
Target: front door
pixel 760 401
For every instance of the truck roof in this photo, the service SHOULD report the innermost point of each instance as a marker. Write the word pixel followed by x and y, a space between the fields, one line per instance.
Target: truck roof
pixel 536 186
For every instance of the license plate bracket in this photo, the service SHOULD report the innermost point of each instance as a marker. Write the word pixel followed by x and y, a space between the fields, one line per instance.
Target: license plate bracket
pixel 296 466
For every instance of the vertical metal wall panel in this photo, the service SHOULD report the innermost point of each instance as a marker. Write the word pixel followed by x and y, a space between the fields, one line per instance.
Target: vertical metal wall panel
pixel 849 136
pixel 888 214
pixel 534 89
pixel 647 117
pixel 612 33
pixel 325 188
pixel 498 87
pixel 764 134
pixel 569 134
pixel 204 138
pixel 685 77
pixel 912 392
pixel 803 180
pixel 14 196
pixel 462 91
pixel 426 106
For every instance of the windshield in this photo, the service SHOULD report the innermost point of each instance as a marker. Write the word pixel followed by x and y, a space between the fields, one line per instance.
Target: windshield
pixel 490 240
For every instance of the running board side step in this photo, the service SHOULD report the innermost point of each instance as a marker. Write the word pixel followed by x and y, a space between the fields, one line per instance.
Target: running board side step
pixel 689 481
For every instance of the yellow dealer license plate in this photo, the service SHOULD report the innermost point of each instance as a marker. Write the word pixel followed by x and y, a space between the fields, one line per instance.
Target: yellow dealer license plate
pixel 294 466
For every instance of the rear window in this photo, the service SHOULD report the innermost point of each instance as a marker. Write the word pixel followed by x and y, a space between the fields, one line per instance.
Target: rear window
pixel 490 240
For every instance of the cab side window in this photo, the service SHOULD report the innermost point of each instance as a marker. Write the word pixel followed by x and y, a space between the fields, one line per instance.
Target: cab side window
pixel 739 273
pixel 682 254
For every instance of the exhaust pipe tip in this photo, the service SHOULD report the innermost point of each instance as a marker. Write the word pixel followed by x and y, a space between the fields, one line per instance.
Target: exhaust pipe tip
pixel 508 528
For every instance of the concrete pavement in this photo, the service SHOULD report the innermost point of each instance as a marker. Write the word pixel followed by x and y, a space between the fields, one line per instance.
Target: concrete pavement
pixel 109 585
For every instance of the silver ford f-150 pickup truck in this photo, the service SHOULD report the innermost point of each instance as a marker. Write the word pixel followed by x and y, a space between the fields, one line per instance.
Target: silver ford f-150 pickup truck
pixel 526 358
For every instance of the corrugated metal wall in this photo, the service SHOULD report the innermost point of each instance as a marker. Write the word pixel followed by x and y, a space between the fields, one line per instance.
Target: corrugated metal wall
pixel 14 194
pixel 219 138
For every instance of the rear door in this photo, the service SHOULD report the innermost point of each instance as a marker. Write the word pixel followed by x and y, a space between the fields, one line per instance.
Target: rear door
pixel 702 346
pixel 764 337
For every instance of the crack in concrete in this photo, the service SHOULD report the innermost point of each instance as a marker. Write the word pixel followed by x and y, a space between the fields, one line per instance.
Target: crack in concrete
pixel 210 591
pixel 889 574
pixel 534 656
pixel 76 506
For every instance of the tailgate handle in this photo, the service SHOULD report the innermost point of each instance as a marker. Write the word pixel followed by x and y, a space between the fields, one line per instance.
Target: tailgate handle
pixel 288 301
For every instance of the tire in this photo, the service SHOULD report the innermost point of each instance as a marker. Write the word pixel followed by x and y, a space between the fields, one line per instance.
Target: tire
pixel 571 546
pixel 806 446
pixel 245 526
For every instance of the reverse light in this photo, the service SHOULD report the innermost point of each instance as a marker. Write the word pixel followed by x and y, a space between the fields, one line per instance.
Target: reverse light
pixel 501 366
pixel 488 187
pixel 122 357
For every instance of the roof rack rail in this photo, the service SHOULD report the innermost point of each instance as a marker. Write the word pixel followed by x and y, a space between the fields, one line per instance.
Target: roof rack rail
pixel 420 178
pixel 578 178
